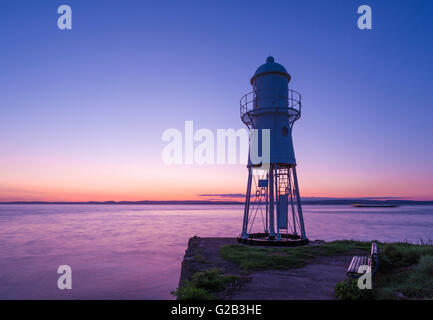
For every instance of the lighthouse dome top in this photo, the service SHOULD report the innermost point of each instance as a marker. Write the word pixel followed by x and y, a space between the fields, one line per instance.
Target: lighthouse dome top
pixel 270 67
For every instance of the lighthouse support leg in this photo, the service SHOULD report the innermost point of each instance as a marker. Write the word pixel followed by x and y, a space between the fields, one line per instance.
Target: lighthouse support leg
pixel 277 201
pixel 289 179
pixel 271 203
pixel 267 207
pixel 298 201
pixel 247 204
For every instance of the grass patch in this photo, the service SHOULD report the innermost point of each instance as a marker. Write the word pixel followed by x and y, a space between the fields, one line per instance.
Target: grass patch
pixel 348 290
pixel 396 255
pixel 260 258
pixel 189 291
pixel 406 271
pixel 199 258
pixel 204 285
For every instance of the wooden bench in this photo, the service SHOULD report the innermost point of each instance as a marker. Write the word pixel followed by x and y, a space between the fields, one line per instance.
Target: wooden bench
pixel 372 261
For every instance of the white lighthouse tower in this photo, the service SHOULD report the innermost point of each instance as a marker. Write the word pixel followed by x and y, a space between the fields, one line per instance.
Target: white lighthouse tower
pixel 273 211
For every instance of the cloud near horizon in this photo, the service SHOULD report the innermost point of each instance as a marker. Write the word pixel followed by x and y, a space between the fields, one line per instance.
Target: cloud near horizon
pixel 223 195
pixel 240 195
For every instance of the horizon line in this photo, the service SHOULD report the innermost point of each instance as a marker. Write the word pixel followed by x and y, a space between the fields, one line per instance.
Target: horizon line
pixel 309 200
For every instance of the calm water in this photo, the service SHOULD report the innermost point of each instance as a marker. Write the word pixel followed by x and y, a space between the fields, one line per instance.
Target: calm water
pixel 135 251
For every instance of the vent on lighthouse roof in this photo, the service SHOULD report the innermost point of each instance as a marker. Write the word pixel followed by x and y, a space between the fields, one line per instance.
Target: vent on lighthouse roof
pixel 270 67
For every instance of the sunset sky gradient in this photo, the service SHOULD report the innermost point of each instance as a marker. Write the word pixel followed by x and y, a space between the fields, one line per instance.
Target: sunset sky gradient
pixel 82 112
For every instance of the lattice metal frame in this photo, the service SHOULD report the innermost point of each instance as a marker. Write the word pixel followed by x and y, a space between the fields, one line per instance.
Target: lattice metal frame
pixel 263 203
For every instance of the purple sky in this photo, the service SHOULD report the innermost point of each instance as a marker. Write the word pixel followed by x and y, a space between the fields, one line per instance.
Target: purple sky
pixel 82 111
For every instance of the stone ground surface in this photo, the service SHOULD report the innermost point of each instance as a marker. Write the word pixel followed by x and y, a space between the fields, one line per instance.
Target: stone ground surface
pixel 314 281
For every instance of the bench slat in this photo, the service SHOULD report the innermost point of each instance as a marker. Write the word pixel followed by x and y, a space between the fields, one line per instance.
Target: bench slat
pixel 373 248
pixel 361 261
pixel 355 267
pixel 358 261
pixel 351 265
pixel 355 264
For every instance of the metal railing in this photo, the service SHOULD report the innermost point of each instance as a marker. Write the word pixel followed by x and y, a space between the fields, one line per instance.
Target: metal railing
pixel 291 104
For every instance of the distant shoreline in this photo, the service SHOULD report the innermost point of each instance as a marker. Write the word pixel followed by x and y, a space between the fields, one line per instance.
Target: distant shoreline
pixel 204 202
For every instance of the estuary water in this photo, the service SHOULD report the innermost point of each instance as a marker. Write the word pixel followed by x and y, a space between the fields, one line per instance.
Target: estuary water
pixel 135 251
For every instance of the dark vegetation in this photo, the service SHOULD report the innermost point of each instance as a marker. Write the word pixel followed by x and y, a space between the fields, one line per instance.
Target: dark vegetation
pixel 204 285
pixel 406 272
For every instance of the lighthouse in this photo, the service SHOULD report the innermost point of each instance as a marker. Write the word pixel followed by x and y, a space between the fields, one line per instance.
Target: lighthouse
pixel 273 210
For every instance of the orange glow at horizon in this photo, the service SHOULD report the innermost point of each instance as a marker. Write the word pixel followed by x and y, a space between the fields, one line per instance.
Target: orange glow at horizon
pixel 175 183
pixel 125 178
